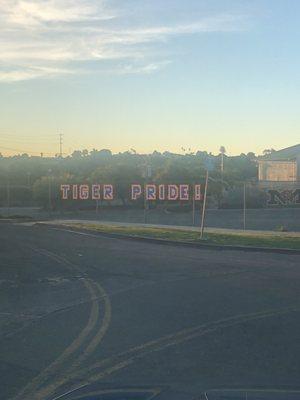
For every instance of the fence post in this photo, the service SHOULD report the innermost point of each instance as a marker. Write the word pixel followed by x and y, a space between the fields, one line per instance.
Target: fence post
pixel 49 192
pixel 145 204
pixel 244 207
pixel 193 205
pixel 8 195
pixel 204 206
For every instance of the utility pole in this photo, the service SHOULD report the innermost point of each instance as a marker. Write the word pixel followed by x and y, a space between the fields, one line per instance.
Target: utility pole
pixel 193 207
pixel 148 175
pixel 204 206
pixel 61 145
pixel 222 151
pixel 222 163
pixel 209 166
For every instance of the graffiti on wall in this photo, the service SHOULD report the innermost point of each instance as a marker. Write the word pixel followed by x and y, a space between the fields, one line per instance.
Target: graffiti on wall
pixel 283 197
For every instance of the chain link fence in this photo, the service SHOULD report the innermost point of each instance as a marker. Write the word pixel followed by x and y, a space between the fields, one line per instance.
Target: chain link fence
pixel 255 206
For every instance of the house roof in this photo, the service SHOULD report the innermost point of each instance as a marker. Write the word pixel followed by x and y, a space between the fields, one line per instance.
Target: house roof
pixel 287 154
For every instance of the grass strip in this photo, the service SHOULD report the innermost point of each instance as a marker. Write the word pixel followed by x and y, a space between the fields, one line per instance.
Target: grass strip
pixel 233 239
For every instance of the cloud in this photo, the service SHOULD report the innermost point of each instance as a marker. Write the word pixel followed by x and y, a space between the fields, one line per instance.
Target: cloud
pixel 50 38
pixel 140 69
pixel 31 73
pixel 30 13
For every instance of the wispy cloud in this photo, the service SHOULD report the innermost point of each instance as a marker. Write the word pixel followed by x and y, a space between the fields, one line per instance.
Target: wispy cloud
pixel 141 69
pixel 50 37
pixel 25 73
pixel 33 13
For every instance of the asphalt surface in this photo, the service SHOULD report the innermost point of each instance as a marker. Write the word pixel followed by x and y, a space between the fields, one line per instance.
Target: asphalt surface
pixel 82 308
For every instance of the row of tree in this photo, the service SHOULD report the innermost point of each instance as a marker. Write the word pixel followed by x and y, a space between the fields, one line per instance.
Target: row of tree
pixel 30 176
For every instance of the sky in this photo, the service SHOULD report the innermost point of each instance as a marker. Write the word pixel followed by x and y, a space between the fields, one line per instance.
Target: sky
pixel 149 75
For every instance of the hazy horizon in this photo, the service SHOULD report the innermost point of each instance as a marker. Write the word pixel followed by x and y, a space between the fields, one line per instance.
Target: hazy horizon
pixel 10 152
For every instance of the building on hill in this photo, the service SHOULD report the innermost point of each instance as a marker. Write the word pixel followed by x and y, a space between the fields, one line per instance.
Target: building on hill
pixel 280 166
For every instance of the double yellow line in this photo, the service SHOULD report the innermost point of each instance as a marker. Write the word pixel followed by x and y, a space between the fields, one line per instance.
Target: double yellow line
pixel 56 374
pixel 115 363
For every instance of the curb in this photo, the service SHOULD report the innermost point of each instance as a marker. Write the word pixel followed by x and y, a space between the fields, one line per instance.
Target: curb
pixel 177 243
pixel 16 220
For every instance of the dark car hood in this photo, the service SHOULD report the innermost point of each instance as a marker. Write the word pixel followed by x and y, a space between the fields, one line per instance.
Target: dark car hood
pixel 106 392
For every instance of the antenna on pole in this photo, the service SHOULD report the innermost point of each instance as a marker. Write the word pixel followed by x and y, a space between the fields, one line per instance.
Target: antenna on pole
pixel 61 145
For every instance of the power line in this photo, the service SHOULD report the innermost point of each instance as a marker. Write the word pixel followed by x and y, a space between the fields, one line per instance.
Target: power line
pixel 25 136
pixel 24 151
pixel 21 141
pixel 43 140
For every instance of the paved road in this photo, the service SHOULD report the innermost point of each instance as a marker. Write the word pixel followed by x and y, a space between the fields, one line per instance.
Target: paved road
pixel 78 308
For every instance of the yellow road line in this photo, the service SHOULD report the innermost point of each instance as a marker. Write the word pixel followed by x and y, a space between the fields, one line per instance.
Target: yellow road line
pixel 104 326
pixel 152 392
pixel 143 350
pixel 30 389
pixel 73 371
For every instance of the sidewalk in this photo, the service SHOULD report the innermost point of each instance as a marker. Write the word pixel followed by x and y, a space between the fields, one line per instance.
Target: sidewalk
pixel 175 227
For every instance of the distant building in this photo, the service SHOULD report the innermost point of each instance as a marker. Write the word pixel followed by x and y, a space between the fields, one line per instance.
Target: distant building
pixel 280 166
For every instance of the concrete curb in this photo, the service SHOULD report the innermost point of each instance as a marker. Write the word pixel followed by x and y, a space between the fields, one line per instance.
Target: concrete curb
pixel 169 242
pixel 16 220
